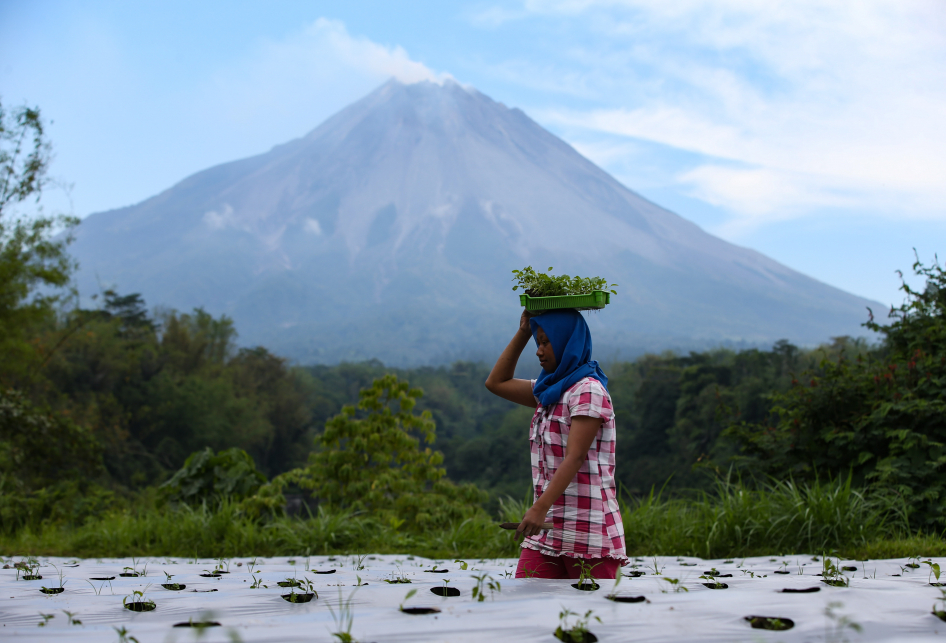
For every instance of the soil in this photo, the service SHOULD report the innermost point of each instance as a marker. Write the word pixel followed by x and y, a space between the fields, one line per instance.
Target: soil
pixel 570 637
pixel 940 614
pixel 781 571
pixel 298 598
pixel 912 565
pixel 174 587
pixel 717 574
pixel 806 590
pixel 849 568
pixel 103 578
pixel 586 587
pixel 141 606
pixel 715 585
pixel 436 571
pixel 420 610
pixel 52 590
pixel 205 575
pixel 634 574
pixel 32 577
pixel 131 575
pixel 770 623
pixel 626 599
pixel 445 591
pixel 327 571
pixel 289 583
pixel 835 583
pixel 198 624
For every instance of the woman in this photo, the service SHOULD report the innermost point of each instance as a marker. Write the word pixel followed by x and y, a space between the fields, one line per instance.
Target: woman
pixel 572 439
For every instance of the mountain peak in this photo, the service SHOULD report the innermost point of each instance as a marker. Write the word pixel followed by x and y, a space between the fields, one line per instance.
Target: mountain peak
pixel 402 215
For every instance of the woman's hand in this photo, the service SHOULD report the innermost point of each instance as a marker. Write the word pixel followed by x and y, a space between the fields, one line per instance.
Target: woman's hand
pixel 524 326
pixel 532 522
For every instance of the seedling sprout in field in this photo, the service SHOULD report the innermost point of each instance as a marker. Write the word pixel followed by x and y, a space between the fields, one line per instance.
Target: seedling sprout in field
pixel 397 578
pixel 138 602
pixel 578 632
pixel 675 584
pixel 934 570
pixel 836 624
pixel 46 618
pixel 257 583
pixel 940 611
pixel 407 597
pixel 486 582
pixel 344 618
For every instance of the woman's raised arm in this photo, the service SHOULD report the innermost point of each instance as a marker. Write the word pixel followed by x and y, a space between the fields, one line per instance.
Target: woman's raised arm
pixel 501 381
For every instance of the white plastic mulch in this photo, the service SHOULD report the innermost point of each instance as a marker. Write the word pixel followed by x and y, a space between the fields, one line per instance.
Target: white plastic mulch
pixel 885 606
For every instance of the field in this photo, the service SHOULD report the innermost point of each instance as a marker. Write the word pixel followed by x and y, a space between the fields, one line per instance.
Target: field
pixel 670 599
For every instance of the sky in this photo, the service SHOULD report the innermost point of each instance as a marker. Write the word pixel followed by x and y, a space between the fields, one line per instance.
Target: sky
pixel 813 132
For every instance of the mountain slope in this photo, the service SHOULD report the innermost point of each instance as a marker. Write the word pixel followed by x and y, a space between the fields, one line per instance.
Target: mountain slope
pixel 391 229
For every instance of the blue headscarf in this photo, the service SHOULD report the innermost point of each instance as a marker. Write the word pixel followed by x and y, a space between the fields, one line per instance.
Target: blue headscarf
pixel 571 342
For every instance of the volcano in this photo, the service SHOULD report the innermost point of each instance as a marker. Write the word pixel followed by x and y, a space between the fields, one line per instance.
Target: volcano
pixel 390 232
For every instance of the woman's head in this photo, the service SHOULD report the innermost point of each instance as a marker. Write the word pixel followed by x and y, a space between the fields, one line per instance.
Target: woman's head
pixel 563 344
pixel 545 352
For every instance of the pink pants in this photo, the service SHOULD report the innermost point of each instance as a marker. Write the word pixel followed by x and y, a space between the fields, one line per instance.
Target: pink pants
pixel 533 564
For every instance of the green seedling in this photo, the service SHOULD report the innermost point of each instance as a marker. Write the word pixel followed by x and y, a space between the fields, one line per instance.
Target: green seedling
pixel 344 618
pixel 710 579
pixel 831 573
pixel 98 592
pixel 257 583
pixel 749 572
pixel 728 562
pixel 940 612
pixel 397 579
pixel 914 562
pixel 138 597
pixel 292 561
pixel 463 564
pixel 358 562
pixel 407 597
pixel 358 582
pixel 46 618
pixel 485 582
pixel 934 570
pixel 585 576
pixel 124 636
pixel 576 633
pixel 170 584
pixel 62 583
pixel 30 567
pixel 305 585
pixel 835 623
pixel 675 584
pixel 540 284
pixel 657 572
pixel 72 618
pixel 507 574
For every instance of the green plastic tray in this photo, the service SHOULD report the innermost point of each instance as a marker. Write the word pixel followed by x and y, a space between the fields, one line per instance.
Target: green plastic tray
pixel 592 301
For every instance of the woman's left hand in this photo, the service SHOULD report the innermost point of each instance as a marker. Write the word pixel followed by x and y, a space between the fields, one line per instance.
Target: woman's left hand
pixel 532 522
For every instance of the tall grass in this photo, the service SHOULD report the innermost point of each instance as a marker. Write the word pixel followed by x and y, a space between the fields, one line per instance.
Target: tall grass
pixel 781 517
pixel 777 517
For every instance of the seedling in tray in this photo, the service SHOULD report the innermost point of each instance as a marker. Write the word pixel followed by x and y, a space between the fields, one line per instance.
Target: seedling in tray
pixel 544 292
pixel 577 633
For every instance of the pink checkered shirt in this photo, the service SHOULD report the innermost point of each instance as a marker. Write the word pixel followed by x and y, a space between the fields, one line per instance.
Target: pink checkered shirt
pixel 586 517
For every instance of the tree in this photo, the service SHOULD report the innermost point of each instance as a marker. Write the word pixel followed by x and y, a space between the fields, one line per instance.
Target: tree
pixel 31 257
pixel 880 416
pixel 375 463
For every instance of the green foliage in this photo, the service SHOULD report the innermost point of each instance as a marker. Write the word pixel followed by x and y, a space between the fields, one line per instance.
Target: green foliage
pixel 540 284
pixel 374 462
pixel 881 416
pixel 210 478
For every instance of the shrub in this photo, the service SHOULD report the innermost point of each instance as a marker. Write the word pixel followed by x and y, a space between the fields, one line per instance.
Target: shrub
pixel 208 478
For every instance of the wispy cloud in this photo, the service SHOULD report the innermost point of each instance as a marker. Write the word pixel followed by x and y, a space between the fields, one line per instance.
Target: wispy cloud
pixel 794 104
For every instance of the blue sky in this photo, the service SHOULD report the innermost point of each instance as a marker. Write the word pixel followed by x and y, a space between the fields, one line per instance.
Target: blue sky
pixel 810 131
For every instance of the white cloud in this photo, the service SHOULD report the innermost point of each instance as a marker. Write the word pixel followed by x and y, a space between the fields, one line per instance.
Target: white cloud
pixel 798 103
pixel 312 227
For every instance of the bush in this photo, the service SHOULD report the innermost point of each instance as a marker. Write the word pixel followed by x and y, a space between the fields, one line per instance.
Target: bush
pixel 881 417
pixel 208 478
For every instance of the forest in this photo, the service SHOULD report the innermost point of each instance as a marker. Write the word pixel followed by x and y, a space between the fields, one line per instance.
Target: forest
pixel 153 421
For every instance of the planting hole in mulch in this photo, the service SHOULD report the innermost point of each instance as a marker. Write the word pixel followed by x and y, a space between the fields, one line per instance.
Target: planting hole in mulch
pixel 687 564
pixel 717 574
pixel 715 585
pixel 205 575
pixel 586 587
pixel 174 587
pixel 445 591
pixel 140 606
pixel 940 614
pixel 781 571
pixel 198 624
pixel 770 623
pixel 203 591
pixel 626 599
pixel 298 598
pixel 634 574
pixel 53 590
pixel 420 610
pixel 436 571
pixel 803 590
pixel 912 565
pixel 835 583
pixel 327 571
pixel 103 578
pixel 570 637
pixel 938 584
pixel 130 575
pixel 289 583
pixel 849 568
pixel 32 577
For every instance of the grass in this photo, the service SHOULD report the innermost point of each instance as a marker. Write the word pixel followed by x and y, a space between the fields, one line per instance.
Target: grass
pixel 734 521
